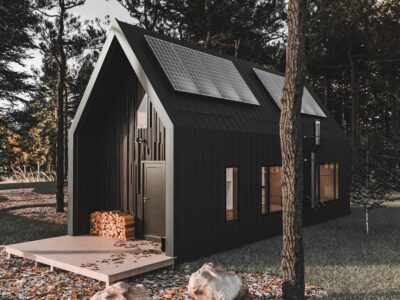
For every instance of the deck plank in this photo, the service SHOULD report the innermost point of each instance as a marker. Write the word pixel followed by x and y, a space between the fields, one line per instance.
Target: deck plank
pixel 96 257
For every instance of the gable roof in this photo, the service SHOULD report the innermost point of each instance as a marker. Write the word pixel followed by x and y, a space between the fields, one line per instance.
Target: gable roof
pixel 192 110
pixel 201 111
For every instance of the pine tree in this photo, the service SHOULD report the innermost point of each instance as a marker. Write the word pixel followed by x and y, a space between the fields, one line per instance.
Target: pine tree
pixel 292 155
pixel 248 29
pixel 63 36
pixel 17 25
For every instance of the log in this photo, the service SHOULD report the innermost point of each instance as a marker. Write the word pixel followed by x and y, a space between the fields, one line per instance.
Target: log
pixel 114 224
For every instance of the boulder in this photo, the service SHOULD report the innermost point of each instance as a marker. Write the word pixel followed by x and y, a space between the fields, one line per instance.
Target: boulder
pixel 122 291
pixel 212 283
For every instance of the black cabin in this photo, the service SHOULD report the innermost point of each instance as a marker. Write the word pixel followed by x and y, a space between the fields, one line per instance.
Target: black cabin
pixel 187 140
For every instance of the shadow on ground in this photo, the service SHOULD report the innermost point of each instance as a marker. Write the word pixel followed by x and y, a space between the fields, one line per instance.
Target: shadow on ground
pixel 38 187
pixel 339 256
pixel 16 229
pixel 31 206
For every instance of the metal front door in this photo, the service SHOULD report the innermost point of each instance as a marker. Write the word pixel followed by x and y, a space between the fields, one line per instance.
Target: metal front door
pixel 154 198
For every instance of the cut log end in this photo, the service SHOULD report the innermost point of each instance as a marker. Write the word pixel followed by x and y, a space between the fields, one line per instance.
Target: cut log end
pixel 112 224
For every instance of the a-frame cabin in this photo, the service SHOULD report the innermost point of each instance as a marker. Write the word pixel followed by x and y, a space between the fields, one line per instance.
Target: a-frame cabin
pixel 187 140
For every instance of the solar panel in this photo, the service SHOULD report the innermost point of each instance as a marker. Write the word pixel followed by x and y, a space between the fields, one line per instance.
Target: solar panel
pixel 200 73
pixel 274 85
pixel 197 71
pixel 216 70
pixel 173 66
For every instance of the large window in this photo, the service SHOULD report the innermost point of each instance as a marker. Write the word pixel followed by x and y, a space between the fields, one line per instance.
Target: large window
pixel 231 194
pixel 271 189
pixel 328 182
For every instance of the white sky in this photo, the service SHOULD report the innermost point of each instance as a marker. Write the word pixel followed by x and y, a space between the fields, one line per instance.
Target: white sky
pixel 101 8
pixel 90 10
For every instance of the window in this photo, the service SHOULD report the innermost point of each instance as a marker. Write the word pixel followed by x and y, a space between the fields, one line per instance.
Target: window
pixel 142 113
pixel 271 189
pixel 264 178
pixel 231 194
pixel 328 182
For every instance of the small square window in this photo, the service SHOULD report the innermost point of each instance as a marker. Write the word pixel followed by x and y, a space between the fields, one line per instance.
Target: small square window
pixel 231 194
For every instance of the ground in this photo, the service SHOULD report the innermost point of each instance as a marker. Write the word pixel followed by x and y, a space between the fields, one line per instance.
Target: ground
pixel 339 256
pixel 29 214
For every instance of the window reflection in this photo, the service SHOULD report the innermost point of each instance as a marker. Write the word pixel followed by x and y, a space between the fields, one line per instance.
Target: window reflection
pixel 271 189
pixel 329 182
pixel 142 113
pixel 231 193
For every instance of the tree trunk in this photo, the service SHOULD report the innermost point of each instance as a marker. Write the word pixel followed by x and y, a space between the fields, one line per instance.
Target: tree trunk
pixel 354 105
pixel 366 220
pixel 60 110
pixel 208 25
pixel 326 89
pixel 65 132
pixel 292 155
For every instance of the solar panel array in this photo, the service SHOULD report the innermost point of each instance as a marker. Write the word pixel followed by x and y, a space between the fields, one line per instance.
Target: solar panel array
pixel 195 72
pixel 274 85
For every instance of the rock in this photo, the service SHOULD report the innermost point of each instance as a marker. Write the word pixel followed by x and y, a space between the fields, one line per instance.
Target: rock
pixel 211 283
pixel 122 291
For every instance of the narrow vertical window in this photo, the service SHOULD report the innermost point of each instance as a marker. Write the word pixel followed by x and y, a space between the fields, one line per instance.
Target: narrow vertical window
pixel 231 194
pixel 337 181
pixel 142 113
pixel 264 179
pixel 329 182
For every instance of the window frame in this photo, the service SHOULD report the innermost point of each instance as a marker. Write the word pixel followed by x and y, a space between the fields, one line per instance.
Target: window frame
pixel 268 190
pixel 237 194
pixel 336 181
pixel 145 100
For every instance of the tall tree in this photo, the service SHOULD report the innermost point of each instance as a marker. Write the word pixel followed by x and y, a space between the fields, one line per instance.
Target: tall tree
pixel 64 36
pixel 249 29
pixel 356 70
pixel 17 25
pixel 292 154
pixel 57 46
pixel 374 182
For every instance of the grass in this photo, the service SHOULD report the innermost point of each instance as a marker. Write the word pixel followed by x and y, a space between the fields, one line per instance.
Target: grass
pixel 339 256
pixel 38 187
pixel 17 229
pixel 24 174
pixel 27 212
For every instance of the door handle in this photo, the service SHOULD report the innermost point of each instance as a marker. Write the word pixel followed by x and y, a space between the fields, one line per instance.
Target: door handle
pixel 145 199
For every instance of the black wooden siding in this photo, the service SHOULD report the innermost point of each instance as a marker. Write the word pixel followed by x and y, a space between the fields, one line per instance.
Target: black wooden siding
pixel 107 163
pixel 209 135
pixel 201 157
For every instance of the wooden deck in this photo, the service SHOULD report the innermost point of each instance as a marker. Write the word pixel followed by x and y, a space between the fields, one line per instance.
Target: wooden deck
pixel 95 257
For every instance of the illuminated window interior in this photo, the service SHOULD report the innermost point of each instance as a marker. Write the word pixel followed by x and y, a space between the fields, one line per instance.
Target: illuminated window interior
pixel 329 182
pixel 271 189
pixel 264 179
pixel 231 193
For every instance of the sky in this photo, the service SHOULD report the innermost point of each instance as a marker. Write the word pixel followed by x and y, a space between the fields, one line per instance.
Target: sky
pixel 90 10
pixel 101 8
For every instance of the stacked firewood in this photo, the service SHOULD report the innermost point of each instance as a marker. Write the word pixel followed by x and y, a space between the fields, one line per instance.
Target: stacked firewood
pixel 113 224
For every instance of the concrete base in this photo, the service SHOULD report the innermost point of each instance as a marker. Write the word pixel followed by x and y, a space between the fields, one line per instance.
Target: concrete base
pixel 95 257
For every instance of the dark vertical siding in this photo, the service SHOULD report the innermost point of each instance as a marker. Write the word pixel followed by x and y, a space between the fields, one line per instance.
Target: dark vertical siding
pixel 209 135
pixel 107 157
pixel 201 157
pixel 153 148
